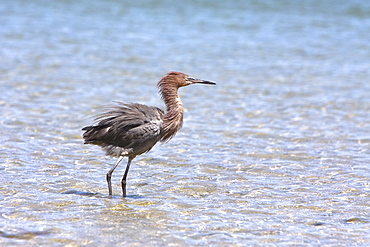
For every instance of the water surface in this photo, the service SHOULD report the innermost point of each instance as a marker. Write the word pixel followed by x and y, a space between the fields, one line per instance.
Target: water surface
pixel 276 154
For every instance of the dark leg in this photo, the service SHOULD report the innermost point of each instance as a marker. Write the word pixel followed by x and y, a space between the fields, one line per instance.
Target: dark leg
pixel 123 182
pixel 109 175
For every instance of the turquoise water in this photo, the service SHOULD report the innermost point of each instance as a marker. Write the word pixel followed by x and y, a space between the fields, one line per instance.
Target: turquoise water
pixel 276 154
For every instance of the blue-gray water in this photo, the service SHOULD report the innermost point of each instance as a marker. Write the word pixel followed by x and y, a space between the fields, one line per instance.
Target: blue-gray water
pixel 276 154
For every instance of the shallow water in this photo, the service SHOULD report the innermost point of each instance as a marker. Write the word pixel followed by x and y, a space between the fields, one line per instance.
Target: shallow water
pixel 276 154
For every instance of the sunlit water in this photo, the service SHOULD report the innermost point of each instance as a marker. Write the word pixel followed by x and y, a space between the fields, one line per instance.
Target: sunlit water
pixel 276 154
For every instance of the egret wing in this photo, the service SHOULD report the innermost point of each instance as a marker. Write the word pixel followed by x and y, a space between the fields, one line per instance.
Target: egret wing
pixel 134 127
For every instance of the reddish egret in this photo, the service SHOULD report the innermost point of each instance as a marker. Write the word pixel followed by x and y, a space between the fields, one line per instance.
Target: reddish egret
pixel 128 130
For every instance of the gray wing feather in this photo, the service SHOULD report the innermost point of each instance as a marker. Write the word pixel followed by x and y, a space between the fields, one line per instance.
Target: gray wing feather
pixel 126 129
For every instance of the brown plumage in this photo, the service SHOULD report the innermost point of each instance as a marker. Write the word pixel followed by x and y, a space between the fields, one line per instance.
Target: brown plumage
pixel 128 130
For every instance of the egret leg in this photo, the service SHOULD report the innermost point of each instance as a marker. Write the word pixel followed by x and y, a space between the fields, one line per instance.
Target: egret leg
pixel 123 182
pixel 109 175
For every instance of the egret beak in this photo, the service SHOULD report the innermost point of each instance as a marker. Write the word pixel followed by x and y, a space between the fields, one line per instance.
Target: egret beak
pixel 193 81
